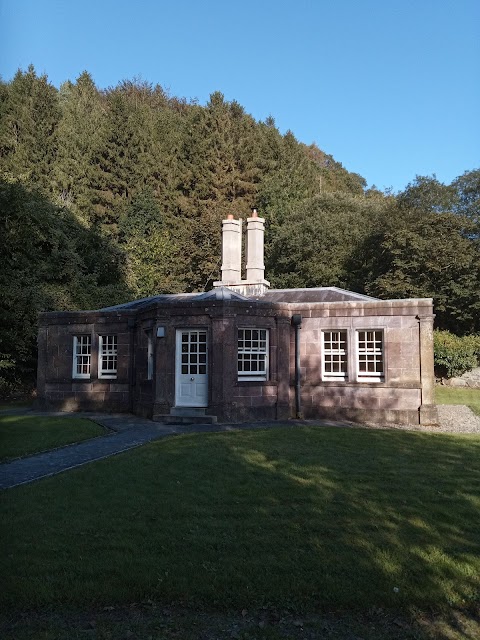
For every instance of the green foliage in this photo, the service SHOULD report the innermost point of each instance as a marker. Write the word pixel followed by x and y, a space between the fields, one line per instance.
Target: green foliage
pixel 152 254
pixel 467 200
pixel 117 193
pixel 29 115
pixel 455 355
pixel 46 255
pixel 426 194
pixel 309 248
pixel 416 251
pixel 79 134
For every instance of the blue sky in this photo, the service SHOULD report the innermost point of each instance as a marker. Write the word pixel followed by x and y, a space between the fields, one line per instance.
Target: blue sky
pixel 390 88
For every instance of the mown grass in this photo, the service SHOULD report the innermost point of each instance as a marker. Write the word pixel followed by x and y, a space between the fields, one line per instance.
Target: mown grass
pixel 22 403
pixel 458 395
pixel 300 518
pixel 22 435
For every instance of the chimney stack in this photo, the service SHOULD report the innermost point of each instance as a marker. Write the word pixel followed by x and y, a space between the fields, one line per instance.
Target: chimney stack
pixel 255 234
pixel 255 283
pixel 231 250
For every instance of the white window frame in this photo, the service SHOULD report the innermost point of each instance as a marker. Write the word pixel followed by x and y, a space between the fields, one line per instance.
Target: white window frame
pixel 328 353
pixel 80 358
pixel 370 354
pixel 253 347
pixel 107 349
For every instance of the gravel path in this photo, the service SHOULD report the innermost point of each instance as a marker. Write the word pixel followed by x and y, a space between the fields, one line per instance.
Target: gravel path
pixel 452 418
pixel 457 418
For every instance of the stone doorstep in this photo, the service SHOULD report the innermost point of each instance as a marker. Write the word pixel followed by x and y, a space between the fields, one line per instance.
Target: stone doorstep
pixel 188 411
pixel 186 415
pixel 169 419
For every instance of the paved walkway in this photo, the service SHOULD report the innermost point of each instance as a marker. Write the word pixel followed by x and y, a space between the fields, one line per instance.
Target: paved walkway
pixel 124 432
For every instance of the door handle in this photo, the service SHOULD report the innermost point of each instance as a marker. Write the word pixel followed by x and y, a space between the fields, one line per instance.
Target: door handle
pixel 192 379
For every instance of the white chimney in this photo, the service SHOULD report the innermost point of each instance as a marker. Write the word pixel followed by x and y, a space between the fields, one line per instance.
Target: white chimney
pixel 255 283
pixel 255 233
pixel 231 250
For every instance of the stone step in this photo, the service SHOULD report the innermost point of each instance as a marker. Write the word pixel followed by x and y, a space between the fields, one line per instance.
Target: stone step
pixel 184 419
pixel 188 411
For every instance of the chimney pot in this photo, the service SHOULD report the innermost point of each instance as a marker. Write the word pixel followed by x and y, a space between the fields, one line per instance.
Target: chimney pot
pixel 254 212
pixel 230 216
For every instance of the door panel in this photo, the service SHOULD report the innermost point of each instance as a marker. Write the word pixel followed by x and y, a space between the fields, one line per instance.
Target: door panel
pixel 191 382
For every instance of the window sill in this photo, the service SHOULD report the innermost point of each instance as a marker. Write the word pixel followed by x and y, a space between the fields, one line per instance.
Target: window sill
pixel 258 383
pixel 370 384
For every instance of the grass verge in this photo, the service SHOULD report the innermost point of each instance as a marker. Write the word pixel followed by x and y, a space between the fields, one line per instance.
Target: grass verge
pixel 22 403
pixel 298 518
pixel 22 435
pixel 458 395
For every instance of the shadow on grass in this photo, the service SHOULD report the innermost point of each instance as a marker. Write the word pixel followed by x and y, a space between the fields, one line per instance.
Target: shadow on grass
pixel 301 518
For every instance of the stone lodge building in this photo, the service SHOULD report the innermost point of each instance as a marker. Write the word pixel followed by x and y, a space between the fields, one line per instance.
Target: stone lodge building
pixel 243 352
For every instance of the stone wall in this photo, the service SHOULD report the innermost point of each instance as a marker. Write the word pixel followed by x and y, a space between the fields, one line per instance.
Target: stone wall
pixel 401 396
pixel 395 399
pixel 57 388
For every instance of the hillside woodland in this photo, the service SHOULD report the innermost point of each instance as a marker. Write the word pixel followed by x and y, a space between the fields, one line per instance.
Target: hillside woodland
pixel 116 194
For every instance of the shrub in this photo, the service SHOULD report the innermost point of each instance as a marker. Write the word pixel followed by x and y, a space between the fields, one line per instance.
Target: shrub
pixel 474 340
pixel 455 355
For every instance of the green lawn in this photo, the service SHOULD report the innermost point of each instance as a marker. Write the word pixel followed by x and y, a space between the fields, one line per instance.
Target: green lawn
pixel 302 519
pixel 458 395
pixel 6 405
pixel 22 435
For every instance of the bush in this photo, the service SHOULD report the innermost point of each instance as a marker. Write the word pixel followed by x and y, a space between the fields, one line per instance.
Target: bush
pixel 455 355
pixel 474 340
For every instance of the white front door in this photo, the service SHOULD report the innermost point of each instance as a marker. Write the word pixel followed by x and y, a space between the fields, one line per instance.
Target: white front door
pixel 191 379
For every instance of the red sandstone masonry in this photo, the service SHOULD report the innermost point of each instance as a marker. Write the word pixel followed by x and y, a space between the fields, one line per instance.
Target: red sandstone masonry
pixel 399 395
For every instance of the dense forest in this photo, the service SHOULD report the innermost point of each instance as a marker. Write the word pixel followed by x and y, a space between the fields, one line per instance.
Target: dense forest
pixel 110 195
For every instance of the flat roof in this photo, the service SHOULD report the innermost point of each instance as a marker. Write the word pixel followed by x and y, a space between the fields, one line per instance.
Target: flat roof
pixel 313 294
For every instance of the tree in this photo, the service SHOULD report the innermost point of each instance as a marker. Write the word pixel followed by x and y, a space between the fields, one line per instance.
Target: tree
pixel 467 196
pixel 314 245
pixel 44 268
pixel 28 120
pixel 426 193
pixel 153 256
pixel 424 254
pixel 79 138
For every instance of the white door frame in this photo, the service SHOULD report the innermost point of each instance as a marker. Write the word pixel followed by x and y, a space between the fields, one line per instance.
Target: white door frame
pixel 191 368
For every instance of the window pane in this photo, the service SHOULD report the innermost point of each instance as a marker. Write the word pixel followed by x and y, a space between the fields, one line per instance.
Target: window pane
pixel 82 350
pixel 370 355
pixel 252 354
pixel 334 354
pixel 108 356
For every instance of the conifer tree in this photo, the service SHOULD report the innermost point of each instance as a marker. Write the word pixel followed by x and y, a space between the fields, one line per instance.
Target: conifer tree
pixel 79 140
pixel 28 122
